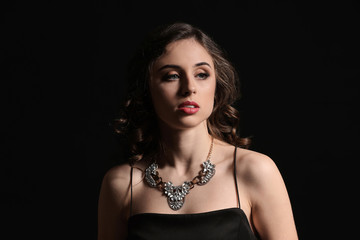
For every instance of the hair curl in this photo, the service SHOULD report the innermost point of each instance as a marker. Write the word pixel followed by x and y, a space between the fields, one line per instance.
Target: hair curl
pixel 137 119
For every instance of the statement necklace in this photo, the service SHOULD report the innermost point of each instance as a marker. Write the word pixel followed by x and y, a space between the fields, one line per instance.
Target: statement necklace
pixel 176 194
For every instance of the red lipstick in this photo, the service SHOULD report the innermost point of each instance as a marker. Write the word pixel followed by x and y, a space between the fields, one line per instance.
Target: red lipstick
pixel 189 107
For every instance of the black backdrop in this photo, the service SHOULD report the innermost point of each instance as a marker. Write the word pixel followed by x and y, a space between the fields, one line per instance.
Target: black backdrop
pixel 63 79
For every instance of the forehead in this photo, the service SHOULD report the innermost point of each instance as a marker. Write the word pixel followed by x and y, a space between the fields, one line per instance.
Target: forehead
pixel 184 52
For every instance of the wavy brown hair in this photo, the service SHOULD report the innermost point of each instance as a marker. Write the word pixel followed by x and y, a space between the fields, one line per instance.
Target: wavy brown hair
pixel 137 119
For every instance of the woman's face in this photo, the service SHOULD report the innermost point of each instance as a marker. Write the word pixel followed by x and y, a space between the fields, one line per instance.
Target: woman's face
pixel 182 85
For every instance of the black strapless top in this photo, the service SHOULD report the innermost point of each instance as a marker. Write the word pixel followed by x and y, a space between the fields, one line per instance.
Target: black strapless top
pixel 229 224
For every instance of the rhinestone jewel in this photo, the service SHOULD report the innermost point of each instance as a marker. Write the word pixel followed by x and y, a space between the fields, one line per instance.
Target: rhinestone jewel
pixel 176 194
pixel 151 170
pixel 208 170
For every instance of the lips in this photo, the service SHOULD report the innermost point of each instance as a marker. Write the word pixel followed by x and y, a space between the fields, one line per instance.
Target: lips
pixel 189 107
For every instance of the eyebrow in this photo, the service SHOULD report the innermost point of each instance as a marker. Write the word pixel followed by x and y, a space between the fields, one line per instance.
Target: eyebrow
pixel 178 67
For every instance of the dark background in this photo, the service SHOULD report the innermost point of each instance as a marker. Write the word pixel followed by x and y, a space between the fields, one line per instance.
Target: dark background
pixel 63 80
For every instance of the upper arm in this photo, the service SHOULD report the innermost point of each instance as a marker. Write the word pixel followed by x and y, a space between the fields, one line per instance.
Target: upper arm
pixel 270 204
pixel 113 204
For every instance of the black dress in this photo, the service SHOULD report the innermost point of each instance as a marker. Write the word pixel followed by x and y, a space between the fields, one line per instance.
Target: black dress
pixel 229 224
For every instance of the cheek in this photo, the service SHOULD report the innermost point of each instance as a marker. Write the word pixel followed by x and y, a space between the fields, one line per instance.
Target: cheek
pixel 208 98
pixel 211 101
pixel 161 93
pixel 162 98
pixel 210 91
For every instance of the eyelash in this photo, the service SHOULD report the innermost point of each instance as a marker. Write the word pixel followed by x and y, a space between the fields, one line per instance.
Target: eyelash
pixel 204 75
pixel 170 77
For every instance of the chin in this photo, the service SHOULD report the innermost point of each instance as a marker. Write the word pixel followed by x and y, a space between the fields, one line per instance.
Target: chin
pixel 186 122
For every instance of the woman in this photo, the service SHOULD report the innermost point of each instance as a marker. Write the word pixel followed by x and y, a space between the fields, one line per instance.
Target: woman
pixel 190 176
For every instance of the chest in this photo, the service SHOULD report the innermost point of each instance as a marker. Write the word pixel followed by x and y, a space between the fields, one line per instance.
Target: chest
pixel 219 193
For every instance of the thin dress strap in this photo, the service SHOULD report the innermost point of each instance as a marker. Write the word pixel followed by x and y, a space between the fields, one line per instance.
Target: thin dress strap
pixel 237 190
pixel 131 190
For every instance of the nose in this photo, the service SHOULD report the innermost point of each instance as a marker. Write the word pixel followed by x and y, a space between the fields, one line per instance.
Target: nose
pixel 188 86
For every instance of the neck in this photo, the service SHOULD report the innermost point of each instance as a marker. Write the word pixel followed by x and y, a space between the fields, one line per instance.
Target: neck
pixel 185 150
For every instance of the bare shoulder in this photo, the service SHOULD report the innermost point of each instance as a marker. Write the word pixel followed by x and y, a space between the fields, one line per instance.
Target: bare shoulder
pixel 116 182
pixel 118 178
pixel 267 195
pixel 114 199
pixel 255 168
pixel 251 166
pixel 118 174
pixel 264 194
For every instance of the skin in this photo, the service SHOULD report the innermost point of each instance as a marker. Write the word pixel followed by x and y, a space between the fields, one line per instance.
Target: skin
pixel 186 72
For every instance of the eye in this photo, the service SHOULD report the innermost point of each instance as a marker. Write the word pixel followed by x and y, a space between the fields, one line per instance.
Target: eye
pixel 171 77
pixel 203 76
